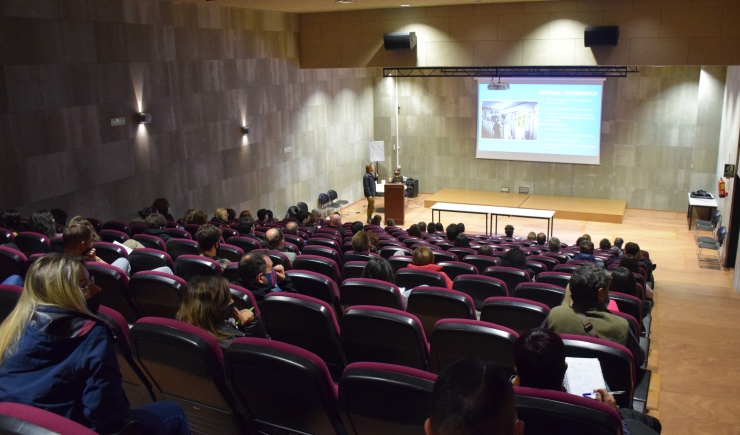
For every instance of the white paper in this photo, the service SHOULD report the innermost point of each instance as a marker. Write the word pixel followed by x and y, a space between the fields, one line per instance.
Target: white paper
pixel 128 250
pixel 583 376
pixel 377 151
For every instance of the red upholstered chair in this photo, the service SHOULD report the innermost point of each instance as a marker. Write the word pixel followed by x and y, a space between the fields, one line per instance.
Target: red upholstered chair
pixel 358 256
pixel 371 395
pixel 150 241
pixel 549 262
pixel 117 226
pixel 511 276
pixel 389 251
pixel 400 262
pixel 191 229
pixel 177 233
pixel 455 339
pixel 462 252
pixel 440 256
pixel 353 269
pixel 409 278
pixel 111 236
pixel 230 252
pixel 308 323
pixel 520 315
pixel 12 262
pixel 453 269
pixel 19 419
pixel 244 299
pixel 560 256
pixel 380 334
pixel 317 285
pixel 115 292
pixel 480 288
pixel 549 412
pixel 548 294
pixel 149 259
pixel 328 242
pixel 178 247
pixel 559 279
pixel 9 295
pixel 536 267
pixel 431 304
pixel 279 258
pixel 247 244
pixel 481 262
pixel 157 294
pixel 324 251
pixel 188 266
pixel 565 268
pixel 32 243
pixel 109 252
pixel 364 291
pixel 186 366
pixel 6 236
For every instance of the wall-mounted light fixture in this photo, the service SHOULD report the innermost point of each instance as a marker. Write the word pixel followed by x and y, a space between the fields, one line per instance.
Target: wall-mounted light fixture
pixel 246 130
pixel 144 118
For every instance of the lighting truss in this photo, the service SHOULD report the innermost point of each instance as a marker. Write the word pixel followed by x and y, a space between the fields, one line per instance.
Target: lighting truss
pixel 511 71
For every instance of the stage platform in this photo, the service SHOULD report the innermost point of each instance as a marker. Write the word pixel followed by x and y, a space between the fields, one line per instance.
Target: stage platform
pixel 565 207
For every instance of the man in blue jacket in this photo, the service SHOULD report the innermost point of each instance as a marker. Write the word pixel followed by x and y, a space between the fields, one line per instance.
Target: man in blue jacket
pixel 368 184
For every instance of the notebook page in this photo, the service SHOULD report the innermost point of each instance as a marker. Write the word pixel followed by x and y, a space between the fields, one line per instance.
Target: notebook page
pixel 583 376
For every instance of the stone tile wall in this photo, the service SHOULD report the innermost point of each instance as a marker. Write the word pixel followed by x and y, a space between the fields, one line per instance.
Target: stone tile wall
pixel 652 32
pixel 660 138
pixel 68 66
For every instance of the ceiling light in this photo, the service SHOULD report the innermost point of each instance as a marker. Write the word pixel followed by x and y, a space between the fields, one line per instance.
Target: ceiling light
pixel 345 1
pixel 405 6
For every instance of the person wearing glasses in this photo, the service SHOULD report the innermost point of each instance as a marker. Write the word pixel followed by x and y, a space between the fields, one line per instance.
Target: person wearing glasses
pixel 57 356
pixel 396 178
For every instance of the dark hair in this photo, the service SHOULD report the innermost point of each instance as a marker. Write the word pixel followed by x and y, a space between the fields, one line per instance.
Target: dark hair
pixel 361 242
pixel 146 211
pixel 452 232
pixel 74 235
pixel 623 281
pixel 245 225
pixel 618 242
pixel 605 244
pixel 11 220
pixel 541 239
pixel 539 355
pixel 553 245
pixel 60 216
pixel 231 213
pixel 376 220
pixel 269 215
pixel 379 268
pixel 414 231
pixel 632 248
pixel 461 227
pixel 438 227
pixel 462 241
pixel 200 217
pixel 422 226
pixel 261 214
pixel 302 216
pixel 207 235
pixel 587 247
pixel 356 227
pixel 509 230
pixel 630 262
pixel 156 221
pixel 251 265
pixel 514 257
pixel 471 397
pixel 205 304
pixel 578 241
pixel 42 222
pixel 585 283
pixel 431 227
pixel 485 250
pixel 162 205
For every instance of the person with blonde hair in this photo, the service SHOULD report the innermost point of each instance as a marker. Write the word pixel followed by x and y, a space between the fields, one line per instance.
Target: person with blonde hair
pixel 56 355
pixel 207 304
pixel 423 258
pixel 220 217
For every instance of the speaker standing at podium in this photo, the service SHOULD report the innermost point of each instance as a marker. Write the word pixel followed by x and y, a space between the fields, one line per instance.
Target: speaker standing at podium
pixel 368 184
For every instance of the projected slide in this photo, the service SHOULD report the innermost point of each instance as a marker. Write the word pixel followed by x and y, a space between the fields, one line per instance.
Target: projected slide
pixel 543 122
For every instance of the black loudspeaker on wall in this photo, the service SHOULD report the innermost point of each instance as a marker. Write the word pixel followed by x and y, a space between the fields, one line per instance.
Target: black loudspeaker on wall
pixel 601 35
pixel 399 40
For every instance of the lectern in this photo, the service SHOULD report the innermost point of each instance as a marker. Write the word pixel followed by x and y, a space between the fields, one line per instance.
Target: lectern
pixel 395 202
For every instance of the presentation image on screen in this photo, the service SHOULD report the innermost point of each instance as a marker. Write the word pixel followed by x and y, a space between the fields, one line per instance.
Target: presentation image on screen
pixel 552 121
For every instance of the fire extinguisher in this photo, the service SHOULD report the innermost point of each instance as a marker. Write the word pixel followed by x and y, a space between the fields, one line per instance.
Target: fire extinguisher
pixel 721 188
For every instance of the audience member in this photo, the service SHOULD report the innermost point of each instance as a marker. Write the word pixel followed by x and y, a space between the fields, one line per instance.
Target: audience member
pixel 423 258
pixel 335 221
pixel 532 236
pixel 509 230
pixel 220 217
pixel 143 214
pixel 163 207
pixel 461 227
pixel 261 216
pixel 246 229
pixel 56 355
pixel 269 216
pixel 200 217
pixel 390 222
pixel 472 397
pixel 376 220
pixel 605 244
pixel 439 228
pixel 60 216
pixel 462 241
pixel 623 281
pixel 374 241
pixel 553 245
pixel 431 227
pixel 361 242
pixel 245 213
pixel 586 237
pixel 209 241
pixel 588 314
pixel 78 242
pixel 422 227
pixel 155 226
pixel 618 246
pixel 42 222
pixel 79 220
pixel 356 227
pixel 379 268
pixel 587 252
pixel 275 241
pixel 187 219
pixel 485 250
pixel 539 356
pixel 633 249
pixel 633 265
pixel 207 304
pixel 10 219
pixel 291 228
pixel 517 259
pixel 452 232
pixel 313 218
pixel 396 178
pixel 541 239
pixel 579 240
pixel 414 231
pixel 257 274
pixel 302 217
pixel 231 215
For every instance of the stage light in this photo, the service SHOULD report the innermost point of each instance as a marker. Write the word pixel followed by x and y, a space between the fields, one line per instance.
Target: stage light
pixel 144 118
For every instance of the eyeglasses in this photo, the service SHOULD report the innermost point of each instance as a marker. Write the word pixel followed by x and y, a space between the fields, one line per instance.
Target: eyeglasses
pixel 86 288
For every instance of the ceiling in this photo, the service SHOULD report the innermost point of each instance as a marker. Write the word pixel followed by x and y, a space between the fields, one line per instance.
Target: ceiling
pixel 303 6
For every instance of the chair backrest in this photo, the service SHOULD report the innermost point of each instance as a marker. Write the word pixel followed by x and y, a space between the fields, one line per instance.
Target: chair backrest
pixel 358 256
pixel 409 278
pixel 536 267
pixel 453 269
pixel 6 236
pixel 431 304
pixel 296 392
pixel 188 266
pixel 279 258
pixel 230 252
pixel 549 262
pixel 559 279
pixel 151 241
pixel 19 419
pixel 455 339
pixel 548 412
pixel 317 285
pixel 247 244
pixel 308 323
pixel 111 236
pixel 191 229
pixel 380 334
pixel 296 240
pixel 511 276
pixel 399 262
pixel 135 383
pixel 480 288
pixel 548 294
pixel 178 247
pixel 560 256
pixel 32 243
pixel 157 294
pixel 364 291
pixel 324 251
pixel 376 398
pixel 244 299
pixel 617 363
pixel 117 226
pixel 12 262
pixel 319 240
pixel 318 264
pixel 185 364
pixel 115 293
pixel 177 233
pixel 148 259
pixel 440 256
pixel 353 269
pixel 462 252
pixel 630 305
pixel 520 315
pixel 109 252
pixel 565 268
pixel 9 295
pixel 481 262
pixel 389 251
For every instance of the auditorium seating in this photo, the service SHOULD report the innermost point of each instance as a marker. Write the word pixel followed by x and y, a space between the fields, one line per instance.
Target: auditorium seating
pixel 148 259
pixel 9 295
pixel 32 243
pixel 111 236
pixel 244 299
pixel 480 288
pixel 19 419
pixel 399 262
pixel 188 266
pixel 6 236
pixel 279 259
pixel 177 233
pixel 318 264
pixel 117 226
pixel 455 339
pixel 246 244
pixel 461 252
pixel 431 304
pixel 12 262
pixel 114 294
pixel 410 278
pixel 353 269
pixel 559 279
pixel 549 262
pixel 109 252
pixel 317 285
pixel 230 252
pixel 453 269
pixel 548 294
pixel 178 247
pixel 151 241
pixel 481 262
pixel 520 315
pixel 157 294
pixel 324 251
pixel 512 277
pixel 363 291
